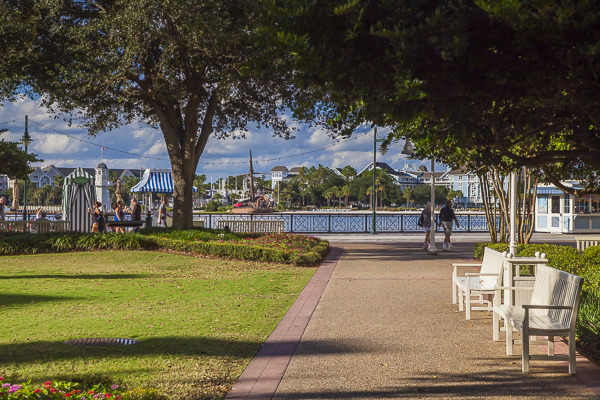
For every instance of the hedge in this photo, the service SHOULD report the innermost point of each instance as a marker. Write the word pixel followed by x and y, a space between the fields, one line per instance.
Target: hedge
pixel 583 263
pixel 27 243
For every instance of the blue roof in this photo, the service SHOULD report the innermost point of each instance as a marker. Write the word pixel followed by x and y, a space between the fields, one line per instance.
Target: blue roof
pixel 155 182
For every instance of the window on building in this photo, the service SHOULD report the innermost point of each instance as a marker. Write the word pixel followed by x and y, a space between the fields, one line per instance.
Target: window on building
pixel 567 206
pixel 461 177
pixel 596 205
pixel 459 184
pixel 581 206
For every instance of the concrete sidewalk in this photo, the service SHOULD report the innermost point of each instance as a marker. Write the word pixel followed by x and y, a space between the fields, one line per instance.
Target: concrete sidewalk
pixel 385 328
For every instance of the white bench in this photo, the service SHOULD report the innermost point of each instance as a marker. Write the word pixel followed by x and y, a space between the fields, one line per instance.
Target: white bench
pixel 478 283
pixel 585 241
pixel 552 312
pixel 242 225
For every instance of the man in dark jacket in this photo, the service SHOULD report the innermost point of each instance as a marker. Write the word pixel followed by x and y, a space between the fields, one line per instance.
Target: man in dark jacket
pixel 446 218
pixel 136 213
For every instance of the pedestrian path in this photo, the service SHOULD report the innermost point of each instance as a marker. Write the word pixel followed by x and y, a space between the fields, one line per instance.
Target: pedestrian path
pixel 384 327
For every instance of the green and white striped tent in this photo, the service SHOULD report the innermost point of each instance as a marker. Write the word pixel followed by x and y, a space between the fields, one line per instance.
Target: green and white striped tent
pixel 78 195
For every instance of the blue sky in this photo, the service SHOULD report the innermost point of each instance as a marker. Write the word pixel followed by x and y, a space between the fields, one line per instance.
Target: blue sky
pixel 224 156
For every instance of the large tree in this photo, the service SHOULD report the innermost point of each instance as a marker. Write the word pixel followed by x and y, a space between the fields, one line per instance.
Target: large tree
pixel 185 67
pixel 498 82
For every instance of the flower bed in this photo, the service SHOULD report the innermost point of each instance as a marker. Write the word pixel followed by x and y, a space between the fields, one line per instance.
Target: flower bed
pixel 71 390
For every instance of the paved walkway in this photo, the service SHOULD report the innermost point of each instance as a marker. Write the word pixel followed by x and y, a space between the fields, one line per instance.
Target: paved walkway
pixel 384 327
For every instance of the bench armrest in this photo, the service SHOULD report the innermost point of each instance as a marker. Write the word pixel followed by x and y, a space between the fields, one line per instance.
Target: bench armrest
pixel 546 307
pixel 524 288
pixel 480 274
pixel 466 265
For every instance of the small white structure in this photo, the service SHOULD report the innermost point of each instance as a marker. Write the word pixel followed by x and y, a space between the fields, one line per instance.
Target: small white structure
pixel 560 212
pixel 101 186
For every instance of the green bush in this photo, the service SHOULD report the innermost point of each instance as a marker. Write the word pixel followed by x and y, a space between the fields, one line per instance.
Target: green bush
pixel 566 258
pixel 197 241
pixel 213 206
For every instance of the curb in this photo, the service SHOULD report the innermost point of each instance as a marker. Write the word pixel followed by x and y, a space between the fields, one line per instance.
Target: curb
pixel 262 376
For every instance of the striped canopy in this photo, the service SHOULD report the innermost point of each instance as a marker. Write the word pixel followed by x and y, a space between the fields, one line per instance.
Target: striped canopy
pixel 78 196
pixel 155 181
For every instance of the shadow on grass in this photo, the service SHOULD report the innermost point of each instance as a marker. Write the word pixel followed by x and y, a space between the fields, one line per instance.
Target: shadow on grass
pixel 21 299
pixel 79 276
pixel 48 351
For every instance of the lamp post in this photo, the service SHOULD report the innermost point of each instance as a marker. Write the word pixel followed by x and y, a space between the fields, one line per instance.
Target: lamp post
pixel 409 150
pixel 513 214
pixel 373 200
pixel 26 139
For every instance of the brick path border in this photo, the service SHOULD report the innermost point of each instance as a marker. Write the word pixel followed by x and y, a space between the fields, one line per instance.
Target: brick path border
pixel 262 376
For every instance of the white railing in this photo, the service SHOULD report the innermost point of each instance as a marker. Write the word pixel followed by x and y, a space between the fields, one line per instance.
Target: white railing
pixel 35 226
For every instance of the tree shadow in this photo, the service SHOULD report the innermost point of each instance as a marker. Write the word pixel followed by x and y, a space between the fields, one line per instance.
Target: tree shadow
pixel 80 276
pixel 48 351
pixel 21 299
pixel 548 379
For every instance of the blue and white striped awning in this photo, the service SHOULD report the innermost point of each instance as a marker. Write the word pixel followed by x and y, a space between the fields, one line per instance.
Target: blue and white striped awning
pixel 160 181
pixel 549 190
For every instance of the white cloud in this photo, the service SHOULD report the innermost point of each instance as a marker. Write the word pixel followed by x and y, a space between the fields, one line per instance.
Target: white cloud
pixel 226 157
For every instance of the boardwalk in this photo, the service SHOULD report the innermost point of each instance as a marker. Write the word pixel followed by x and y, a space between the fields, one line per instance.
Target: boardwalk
pixel 384 328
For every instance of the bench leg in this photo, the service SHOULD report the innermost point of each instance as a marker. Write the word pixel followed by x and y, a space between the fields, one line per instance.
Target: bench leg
pixel 496 327
pixel 468 304
pixel 525 352
pixel 509 339
pixel 550 345
pixel 454 294
pixel 572 353
pixel 461 300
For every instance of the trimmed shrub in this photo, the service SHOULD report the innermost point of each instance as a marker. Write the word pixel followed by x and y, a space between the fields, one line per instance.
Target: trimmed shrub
pixel 197 241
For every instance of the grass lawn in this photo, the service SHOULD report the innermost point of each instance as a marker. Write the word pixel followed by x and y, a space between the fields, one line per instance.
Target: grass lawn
pixel 200 321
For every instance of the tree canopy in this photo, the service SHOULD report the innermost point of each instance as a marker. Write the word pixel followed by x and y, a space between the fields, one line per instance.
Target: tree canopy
pixel 13 160
pixel 185 67
pixel 471 82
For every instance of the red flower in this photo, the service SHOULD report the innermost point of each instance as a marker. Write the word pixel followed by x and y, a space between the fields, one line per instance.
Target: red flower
pixel 67 394
pixel 91 392
pixel 53 390
pixel 48 384
pixel 37 391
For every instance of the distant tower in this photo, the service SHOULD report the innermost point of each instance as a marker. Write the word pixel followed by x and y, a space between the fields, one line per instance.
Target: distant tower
pixel 101 183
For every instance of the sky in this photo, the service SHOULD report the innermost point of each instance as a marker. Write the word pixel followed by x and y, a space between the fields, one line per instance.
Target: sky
pixel 220 158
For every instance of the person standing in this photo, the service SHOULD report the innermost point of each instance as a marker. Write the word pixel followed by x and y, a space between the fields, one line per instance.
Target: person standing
pixel 425 223
pixel 162 213
pixel 136 213
pixel 119 215
pixel 446 218
pixel 2 211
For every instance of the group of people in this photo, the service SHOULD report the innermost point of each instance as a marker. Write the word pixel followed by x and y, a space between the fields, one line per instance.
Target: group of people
pixel 446 219
pixel 119 209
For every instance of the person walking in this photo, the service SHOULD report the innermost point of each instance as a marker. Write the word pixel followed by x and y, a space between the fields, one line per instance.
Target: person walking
pixel 446 218
pixel 425 223
pixel 162 213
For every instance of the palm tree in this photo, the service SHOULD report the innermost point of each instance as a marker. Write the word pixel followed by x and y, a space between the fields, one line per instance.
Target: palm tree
pixel 346 192
pixel 329 194
pixel 370 194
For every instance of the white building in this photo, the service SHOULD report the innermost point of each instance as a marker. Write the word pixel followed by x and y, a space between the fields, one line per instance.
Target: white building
pixel 560 212
pixel 406 179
